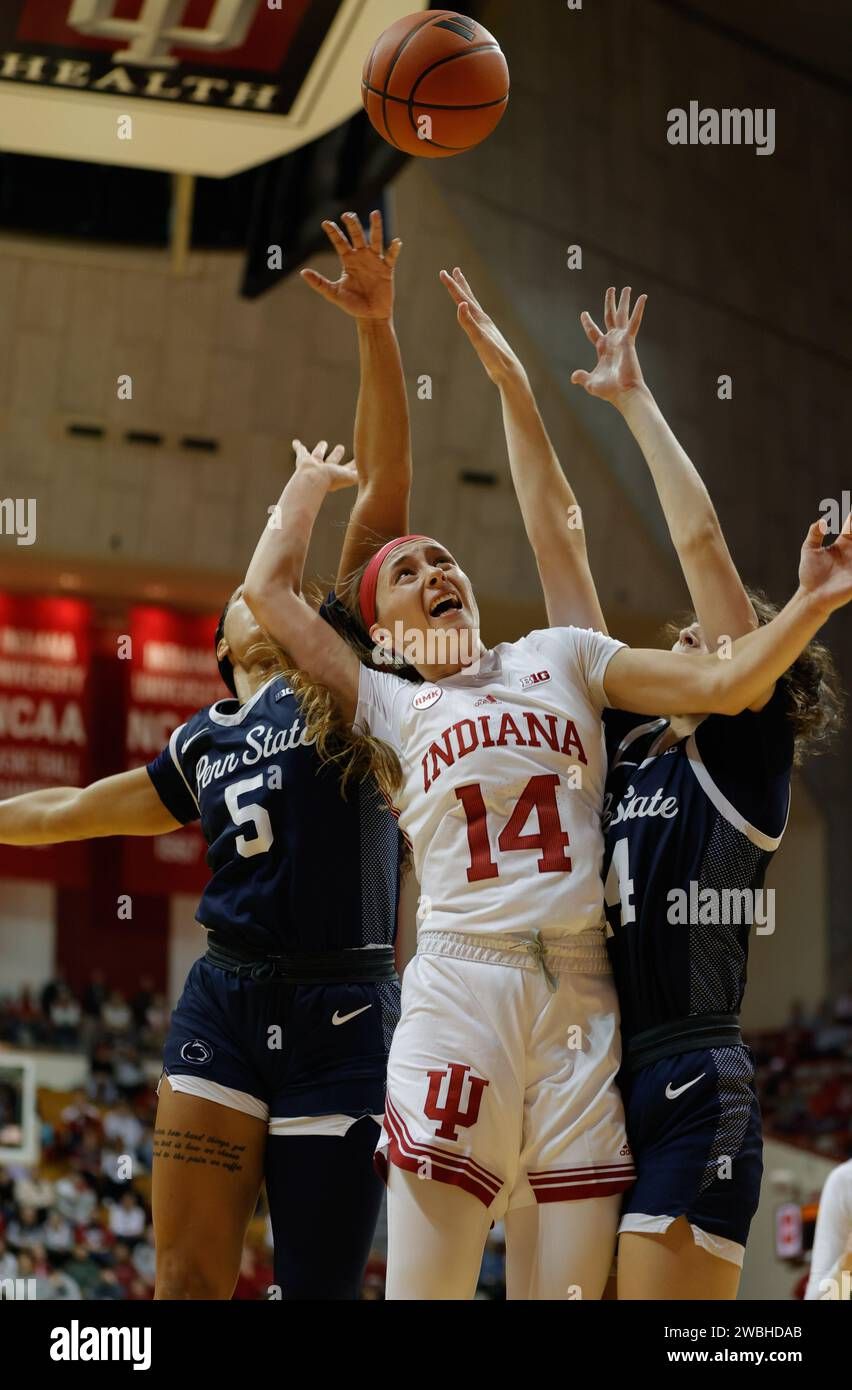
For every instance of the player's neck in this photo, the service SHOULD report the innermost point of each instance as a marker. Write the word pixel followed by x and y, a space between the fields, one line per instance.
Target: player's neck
pixel 680 726
pixel 249 682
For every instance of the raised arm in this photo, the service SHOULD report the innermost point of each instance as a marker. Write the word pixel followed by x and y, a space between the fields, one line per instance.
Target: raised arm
pixel 364 290
pixel 647 681
pixel 126 804
pixel 272 583
pixel 552 518
pixel 718 595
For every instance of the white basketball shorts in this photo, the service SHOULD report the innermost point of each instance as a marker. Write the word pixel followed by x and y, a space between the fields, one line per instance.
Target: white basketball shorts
pixel 501 1074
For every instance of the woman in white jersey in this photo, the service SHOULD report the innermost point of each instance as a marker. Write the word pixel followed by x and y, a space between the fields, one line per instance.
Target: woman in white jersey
pixel 501 1076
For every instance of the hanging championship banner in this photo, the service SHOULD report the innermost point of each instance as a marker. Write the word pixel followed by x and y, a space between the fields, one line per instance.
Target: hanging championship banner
pixel 171 673
pixel 45 714
pixel 206 87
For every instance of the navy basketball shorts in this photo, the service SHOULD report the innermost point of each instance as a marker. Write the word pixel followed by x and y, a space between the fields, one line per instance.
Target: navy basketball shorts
pixel 306 1059
pixel 693 1122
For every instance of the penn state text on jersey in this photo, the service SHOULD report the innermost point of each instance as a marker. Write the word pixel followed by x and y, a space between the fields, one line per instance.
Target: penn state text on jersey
pixel 706 814
pixel 295 866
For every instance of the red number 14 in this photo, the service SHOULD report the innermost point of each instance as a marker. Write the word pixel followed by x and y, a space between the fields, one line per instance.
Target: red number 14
pixel 540 795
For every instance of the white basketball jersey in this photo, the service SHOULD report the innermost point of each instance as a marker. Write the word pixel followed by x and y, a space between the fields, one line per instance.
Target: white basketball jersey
pixel 503 780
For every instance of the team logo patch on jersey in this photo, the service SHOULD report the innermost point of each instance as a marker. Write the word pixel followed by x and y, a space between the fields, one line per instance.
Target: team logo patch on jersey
pixel 487 700
pixel 281 693
pixel 536 678
pixel 196 1052
pixel 447 1102
pixel 424 698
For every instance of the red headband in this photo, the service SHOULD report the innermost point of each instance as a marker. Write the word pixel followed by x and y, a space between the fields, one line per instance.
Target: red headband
pixel 370 581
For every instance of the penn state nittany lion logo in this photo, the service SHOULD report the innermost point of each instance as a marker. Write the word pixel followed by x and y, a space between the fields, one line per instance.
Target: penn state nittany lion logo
pixel 197 1052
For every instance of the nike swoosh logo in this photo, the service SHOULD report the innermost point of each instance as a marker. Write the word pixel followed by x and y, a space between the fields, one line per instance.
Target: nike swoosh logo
pixel 672 1094
pixel 192 740
pixel 344 1018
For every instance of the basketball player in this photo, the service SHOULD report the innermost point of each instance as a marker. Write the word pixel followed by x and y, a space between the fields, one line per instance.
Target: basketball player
pixel 691 805
pixel 500 1081
pixel 275 1060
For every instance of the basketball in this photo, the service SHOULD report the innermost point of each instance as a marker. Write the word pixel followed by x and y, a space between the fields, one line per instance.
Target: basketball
pixel 436 83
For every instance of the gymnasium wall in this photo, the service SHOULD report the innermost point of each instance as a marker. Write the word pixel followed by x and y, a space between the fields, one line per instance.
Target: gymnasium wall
pixel 736 276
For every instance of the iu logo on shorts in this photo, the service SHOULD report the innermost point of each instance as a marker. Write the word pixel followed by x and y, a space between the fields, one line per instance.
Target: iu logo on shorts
pixel 452 1111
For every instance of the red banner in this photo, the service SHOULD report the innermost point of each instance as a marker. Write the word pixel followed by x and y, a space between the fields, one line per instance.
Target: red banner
pixel 240 54
pixel 171 673
pixel 45 712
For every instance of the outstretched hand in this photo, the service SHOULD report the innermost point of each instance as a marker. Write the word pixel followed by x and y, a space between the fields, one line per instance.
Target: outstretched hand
pixel 364 288
pixel 495 354
pixel 825 571
pixel 617 372
pixel 335 474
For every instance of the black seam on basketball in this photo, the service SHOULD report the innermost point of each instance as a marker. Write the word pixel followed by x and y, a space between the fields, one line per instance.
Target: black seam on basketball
pixel 478 48
pixel 432 105
pixel 393 62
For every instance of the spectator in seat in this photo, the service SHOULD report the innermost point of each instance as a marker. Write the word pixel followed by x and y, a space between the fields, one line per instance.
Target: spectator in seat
pixel 24 1232
pixel 127 1218
pixel 65 1017
pixel 95 994
pixel 34 1191
pixel 115 1013
pixel 122 1128
pixel 58 1235
pixel 144 1257
pixel 83 1270
pixel 75 1199
pixel 8 1261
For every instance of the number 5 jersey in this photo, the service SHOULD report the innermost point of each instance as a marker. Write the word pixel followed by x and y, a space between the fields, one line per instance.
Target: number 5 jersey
pixel 295 866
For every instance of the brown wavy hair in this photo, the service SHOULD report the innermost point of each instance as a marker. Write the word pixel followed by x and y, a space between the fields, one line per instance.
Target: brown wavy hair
pixel 813 689
pixel 357 755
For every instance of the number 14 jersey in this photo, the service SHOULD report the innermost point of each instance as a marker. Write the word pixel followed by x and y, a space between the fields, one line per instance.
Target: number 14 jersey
pixel 503 780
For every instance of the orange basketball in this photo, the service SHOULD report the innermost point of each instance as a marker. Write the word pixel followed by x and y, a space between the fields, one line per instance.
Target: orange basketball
pixel 436 83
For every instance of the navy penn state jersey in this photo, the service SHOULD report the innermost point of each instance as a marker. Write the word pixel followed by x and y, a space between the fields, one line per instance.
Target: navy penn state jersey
pixel 688 835
pixel 295 866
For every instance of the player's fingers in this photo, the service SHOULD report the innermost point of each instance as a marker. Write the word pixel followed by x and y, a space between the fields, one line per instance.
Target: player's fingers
pixel 318 451
pixel 456 291
pixel 636 316
pixel 377 232
pixel 393 251
pixel 319 283
pixel 355 230
pixel 579 378
pixel 590 328
pixel 622 312
pixel 816 534
pixel 468 321
pixel 336 454
pixel 460 280
pixel 336 237
pixel 609 307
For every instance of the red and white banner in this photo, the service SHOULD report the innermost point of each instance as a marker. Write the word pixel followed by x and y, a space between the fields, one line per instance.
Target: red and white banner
pixel 195 86
pixel 171 673
pixel 45 714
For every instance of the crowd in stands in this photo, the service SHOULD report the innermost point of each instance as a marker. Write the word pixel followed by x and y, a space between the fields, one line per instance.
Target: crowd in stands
pixel 804 1078
pixel 80 1225
pixel 60 1019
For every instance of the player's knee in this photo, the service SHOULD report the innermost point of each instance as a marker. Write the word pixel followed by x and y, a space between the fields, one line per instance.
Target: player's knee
pixel 182 1275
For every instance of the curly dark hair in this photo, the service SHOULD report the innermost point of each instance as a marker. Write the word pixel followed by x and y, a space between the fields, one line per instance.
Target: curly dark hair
pixel 815 695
